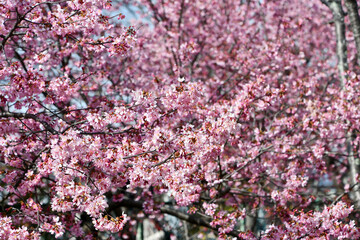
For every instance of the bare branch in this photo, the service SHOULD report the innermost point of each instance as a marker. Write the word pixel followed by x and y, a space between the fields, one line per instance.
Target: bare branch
pixel 196 219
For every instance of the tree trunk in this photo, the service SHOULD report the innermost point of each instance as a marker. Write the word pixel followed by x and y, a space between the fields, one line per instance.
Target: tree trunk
pixel 341 51
pixel 352 9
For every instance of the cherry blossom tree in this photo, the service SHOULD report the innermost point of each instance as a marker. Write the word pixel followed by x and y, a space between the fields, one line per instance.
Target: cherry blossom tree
pixel 239 118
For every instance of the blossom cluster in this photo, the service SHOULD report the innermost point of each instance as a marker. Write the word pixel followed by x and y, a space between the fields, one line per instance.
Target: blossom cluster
pixel 226 114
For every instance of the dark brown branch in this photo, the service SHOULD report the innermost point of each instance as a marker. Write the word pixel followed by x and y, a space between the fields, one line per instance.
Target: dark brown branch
pixel 19 19
pixel 28 116
pixel 108 133
pixel 11 32
pixel 18 56
pixel 196 219
pixel 164 161
pixel 158 17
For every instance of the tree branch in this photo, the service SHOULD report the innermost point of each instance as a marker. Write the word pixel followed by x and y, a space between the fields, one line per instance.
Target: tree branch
pixel 28 116
pixel 196 219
